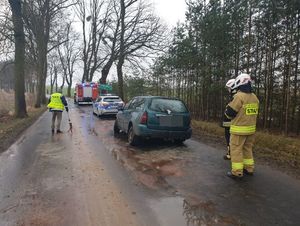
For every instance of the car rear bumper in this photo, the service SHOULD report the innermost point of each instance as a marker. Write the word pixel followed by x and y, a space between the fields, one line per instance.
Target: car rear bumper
pixel 108 111
pixel 144 131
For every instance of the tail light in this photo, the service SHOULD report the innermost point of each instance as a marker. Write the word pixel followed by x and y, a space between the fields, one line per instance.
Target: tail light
pixel 144 118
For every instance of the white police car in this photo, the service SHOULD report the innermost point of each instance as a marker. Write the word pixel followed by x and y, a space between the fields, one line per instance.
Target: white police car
pixel 107 105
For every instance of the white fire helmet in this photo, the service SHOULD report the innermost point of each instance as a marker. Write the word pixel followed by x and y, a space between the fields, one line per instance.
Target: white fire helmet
pixel 230 83
pixel 241 79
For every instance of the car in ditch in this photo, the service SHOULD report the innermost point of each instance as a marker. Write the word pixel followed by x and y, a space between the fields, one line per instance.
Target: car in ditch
pixel 107 105
pixel 154 117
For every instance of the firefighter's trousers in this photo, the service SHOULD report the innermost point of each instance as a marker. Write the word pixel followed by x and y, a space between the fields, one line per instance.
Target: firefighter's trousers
pixel 241 153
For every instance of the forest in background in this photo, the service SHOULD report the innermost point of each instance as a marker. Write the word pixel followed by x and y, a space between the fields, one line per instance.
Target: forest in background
pixel 221 39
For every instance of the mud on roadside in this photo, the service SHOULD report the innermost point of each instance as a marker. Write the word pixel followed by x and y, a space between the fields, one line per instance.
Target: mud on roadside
pixel 11 128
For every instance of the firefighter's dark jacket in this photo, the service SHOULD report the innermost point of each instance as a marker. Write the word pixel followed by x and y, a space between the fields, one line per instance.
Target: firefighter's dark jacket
pixel 225 120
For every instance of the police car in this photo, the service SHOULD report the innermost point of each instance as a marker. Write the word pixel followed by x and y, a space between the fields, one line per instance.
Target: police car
pixel 107 105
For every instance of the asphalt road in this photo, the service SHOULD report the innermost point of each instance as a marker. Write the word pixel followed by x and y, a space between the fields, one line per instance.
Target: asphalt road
pixel 90 177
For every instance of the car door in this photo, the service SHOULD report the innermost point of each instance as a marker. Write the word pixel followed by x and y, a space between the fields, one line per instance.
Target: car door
pixel 121 116
pixel 127 114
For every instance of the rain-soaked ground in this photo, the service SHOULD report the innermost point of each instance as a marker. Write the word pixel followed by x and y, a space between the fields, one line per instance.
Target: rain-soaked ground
pixel 90 177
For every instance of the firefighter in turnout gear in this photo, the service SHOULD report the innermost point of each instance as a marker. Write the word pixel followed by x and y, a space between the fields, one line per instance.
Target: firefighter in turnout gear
pixel 226 121
pixel 242 111
pixel 57 104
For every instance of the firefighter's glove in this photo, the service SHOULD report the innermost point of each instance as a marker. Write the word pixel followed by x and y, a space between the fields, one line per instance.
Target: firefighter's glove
pixel 67 109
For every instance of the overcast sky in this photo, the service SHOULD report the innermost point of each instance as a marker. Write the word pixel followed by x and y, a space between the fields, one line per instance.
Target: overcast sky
pixel 171 11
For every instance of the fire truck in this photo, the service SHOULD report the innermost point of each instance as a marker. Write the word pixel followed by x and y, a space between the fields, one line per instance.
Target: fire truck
pixel 86 93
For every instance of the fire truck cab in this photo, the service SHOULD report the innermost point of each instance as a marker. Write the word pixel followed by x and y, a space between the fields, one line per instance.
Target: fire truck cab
pixel 86 93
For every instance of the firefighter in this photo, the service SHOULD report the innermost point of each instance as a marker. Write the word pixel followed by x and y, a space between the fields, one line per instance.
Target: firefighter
pixel 242 111
pixel 226 122
pixel 57 104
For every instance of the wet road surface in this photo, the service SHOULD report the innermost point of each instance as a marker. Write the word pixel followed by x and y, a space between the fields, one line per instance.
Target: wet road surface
pixel 90 177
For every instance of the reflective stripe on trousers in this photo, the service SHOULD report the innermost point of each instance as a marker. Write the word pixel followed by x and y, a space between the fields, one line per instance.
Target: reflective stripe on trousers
pixel 237 166
pixel 249 162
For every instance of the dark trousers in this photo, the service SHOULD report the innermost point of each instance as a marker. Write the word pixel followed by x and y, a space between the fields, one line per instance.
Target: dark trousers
pixel 56 115
pixel 227 135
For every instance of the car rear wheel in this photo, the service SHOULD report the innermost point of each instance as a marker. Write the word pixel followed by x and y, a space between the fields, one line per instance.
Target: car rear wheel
pixel 179 141
pixel 116 128
pixel 133 139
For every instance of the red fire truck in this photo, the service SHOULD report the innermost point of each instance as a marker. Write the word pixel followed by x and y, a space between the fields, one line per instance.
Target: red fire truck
pixel 86 93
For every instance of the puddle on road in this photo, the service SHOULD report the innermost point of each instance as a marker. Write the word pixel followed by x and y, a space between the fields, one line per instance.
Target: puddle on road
pixel 177 211
pixel 201 213
pixel 147 168
pixel 169 211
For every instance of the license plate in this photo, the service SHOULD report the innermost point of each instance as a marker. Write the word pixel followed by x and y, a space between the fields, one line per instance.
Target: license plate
pixel 171 121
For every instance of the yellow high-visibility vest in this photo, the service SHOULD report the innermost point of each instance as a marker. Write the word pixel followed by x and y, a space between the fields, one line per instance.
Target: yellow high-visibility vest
pixel 55 102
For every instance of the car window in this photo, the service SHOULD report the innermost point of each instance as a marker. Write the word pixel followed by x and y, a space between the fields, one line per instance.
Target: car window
pixel 99 99
pixel 112 99
pixel 126 107
pixel 167 105
pixel 138 104
pixel 132 104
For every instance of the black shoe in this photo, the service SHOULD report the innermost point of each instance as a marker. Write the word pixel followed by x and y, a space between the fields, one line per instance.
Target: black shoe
pixel 52 130
pixel 226 157
pixel 232 176
pixel 247 172
pixel 59 131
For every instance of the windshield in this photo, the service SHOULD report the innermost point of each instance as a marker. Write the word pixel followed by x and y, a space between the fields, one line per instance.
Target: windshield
pixel 168 105
pixel 112 99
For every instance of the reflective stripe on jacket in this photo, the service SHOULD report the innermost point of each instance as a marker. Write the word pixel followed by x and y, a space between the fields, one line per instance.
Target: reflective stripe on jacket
pixel 56 102
pixel 226 124
pixel 246 105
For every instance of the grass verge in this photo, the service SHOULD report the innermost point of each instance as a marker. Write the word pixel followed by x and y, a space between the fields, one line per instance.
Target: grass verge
pixel 275 150
pixel 11 127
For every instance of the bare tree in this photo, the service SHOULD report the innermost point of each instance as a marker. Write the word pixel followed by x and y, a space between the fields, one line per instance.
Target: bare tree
pixel 53 71
pixel 141 35
pixel 6 34
pixel 68 54
pixel 41 18
pixel 95 18
pixel 20 103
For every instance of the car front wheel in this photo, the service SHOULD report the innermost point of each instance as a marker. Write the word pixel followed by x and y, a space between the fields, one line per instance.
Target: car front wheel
pixel 133 139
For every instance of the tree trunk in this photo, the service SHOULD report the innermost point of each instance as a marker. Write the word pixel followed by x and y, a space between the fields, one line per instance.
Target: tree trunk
pixel 120 77
pixel 121 55
pixel 249 38
pixel 295 78
pixel 105 70
pixel 41 81
pixel 20 103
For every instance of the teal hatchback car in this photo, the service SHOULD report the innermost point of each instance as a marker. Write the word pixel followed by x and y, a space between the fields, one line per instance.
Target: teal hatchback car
pixel 154 117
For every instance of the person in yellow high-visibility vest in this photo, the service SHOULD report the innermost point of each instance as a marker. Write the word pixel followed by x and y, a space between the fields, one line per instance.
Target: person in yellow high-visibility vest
pixel 242 111
pixel 57 104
